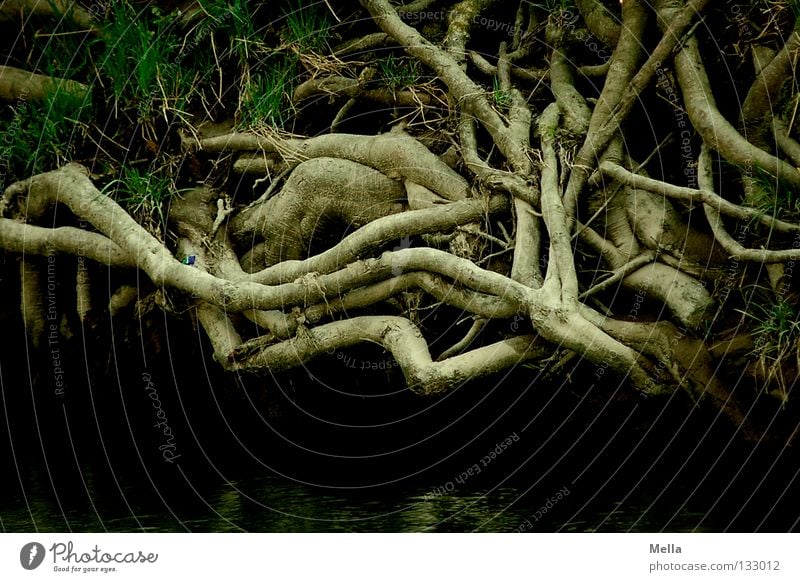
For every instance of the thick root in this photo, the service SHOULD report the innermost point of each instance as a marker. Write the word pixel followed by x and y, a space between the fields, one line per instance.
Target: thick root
pixel 321 194
pixel 16 84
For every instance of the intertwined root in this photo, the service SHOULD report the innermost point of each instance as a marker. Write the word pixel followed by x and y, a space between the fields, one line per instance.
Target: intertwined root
pixel 300 261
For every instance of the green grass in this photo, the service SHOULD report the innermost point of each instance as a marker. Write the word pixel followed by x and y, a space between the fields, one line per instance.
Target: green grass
pixel 232 20
pixel 144 193
pixel 41 136
pixel 501 98
pixel 265 99
pixel 777 332
pixel 140 61
pixel 771 197
pixel 306 26
pixel 148 72
pixel 398 73
pixel 66 54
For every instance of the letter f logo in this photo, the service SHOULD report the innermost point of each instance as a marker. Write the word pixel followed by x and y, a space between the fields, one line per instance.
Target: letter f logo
pixel 31 555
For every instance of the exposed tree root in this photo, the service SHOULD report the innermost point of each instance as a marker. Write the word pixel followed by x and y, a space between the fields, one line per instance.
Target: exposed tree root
pixel 321 193
pixel 19 85
pixel 34 288
pixel 14 9
pixel 351 88
pixel 403 340
pixel 475 204
pixel 394 154
pixel 600 21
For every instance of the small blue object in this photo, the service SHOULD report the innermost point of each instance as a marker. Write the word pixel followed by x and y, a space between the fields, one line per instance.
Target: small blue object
pixel 188 260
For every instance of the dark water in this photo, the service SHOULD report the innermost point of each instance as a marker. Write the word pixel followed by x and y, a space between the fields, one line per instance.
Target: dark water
pixel 328 450
pixel 78 489
pixel 268 504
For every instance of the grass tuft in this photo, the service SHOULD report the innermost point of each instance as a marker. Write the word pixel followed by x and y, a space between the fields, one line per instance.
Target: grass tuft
pixel 145 194
pixel 306 25
pixel 777 332
pixel 231 19
pixel 771 197
pixel 141 62
pixel 265 98
pixel 399 73
pixel 41 136
pixel 501 98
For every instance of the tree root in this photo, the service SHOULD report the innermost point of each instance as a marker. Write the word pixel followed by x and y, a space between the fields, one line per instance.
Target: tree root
pixel 788 145
pixel 716 131
pixel 19 85
pixel 352 89
pixel 597 141
pixel 705 196
pixel 320 194
pixel 442 218
pixel 599 20
pixel 33 286
pixel 13 9
pixel 122 299
pixel 394 154
pixel 732 246
pixel 275 283
pixel 38 241
pixel 479 304
pixel 403 340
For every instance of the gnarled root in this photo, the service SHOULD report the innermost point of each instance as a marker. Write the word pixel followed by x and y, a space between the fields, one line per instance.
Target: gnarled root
pixel 321 193
pixel 402 339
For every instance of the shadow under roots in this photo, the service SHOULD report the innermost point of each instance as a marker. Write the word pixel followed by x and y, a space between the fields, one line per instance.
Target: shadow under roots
pixel 346 425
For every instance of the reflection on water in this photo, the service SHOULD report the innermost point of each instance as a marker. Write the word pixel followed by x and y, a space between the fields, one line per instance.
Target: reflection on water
pixel 269 504
pixel 636 467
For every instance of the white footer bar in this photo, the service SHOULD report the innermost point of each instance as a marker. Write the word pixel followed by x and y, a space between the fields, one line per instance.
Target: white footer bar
pixel 400 557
